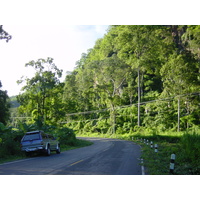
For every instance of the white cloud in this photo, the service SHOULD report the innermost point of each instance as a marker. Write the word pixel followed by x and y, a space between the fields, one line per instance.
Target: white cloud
pixel 100 29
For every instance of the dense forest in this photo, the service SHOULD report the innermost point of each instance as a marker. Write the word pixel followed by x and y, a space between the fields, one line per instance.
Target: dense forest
pixel 135 76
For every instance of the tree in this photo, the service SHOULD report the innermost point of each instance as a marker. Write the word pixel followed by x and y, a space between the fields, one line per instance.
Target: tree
pixel 110 78
pixel 139 47
pixel 43 92
pixel 180 78
pixel 4 106
pixel 191 39
pixel 4 34
pixel 70 96
pixel 138 64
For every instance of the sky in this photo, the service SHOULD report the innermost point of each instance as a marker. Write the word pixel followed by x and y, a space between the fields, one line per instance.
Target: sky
pixel 64 43
pixel 64 29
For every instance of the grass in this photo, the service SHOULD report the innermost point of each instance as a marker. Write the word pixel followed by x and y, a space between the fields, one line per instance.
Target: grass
pixel 11 158
pixel 185 147
pixel 79 143
pixel 157 163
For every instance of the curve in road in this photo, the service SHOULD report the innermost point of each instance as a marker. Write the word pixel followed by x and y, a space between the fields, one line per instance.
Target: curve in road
pixel 104 157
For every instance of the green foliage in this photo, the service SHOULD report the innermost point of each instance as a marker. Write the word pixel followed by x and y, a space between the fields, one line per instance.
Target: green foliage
pixel 66 136
pixel 4 106
pixel 185 145
pixel 10 141
pixel 10 137
pixel 130 64
pixel 190 151
pixel 13 102
pixel 42 97
pixel 180 75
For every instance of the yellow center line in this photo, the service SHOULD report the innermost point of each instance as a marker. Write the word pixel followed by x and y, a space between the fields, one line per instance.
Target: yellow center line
pixel 105 149
pixel 76 162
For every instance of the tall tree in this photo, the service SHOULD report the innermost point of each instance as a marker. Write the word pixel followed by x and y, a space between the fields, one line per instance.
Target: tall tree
pixel 42 91
pixel 138 46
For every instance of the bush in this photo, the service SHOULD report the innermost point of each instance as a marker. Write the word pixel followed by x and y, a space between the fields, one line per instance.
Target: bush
pixel 10 142
pixel 65 136
pixel 10 137
pixel 190 151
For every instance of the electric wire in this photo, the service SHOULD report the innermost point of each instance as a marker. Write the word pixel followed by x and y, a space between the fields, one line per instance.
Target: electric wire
pixel 117 107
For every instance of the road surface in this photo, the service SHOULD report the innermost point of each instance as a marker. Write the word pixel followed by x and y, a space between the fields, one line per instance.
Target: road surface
pixel 104 157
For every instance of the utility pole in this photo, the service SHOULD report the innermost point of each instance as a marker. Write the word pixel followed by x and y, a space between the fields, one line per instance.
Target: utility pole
pixel 139 96
pixel 178 113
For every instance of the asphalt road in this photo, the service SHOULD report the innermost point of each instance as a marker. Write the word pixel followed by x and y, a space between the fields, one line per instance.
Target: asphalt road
pixel 104 157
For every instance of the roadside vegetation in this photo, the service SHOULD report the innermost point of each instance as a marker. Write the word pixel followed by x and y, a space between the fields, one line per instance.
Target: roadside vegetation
pixel 10 139
pixel 185 146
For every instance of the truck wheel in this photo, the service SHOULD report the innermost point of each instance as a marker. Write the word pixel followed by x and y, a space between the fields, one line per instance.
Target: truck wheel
pixel 28 154
pixel 48 151
pixel 58 150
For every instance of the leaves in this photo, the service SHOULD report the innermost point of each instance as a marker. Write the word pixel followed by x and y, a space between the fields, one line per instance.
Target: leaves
pixel 131 65
pixel 107 76
pixel 41 95
pixel 4 106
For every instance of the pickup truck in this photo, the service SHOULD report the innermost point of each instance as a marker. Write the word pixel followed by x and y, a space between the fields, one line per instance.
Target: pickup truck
pixel 36 141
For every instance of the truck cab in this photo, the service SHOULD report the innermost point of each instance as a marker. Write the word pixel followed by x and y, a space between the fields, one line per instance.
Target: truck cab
pixel 36 141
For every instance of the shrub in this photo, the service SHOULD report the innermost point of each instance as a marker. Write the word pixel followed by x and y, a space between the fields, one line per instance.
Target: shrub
pixel 191 151
pixel 10 142
pixel 65 136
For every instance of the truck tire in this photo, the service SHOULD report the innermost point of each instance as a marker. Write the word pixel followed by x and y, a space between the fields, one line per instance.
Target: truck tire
pixel 48 151
pixel 58 149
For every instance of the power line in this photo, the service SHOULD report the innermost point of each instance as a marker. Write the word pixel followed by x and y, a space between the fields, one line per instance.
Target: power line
pixel 87 112
pixel 20 117
pixel 84 120
pixel 135 104
pixel 119 107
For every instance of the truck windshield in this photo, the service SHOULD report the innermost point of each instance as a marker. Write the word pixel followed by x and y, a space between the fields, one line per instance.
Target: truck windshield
pixel 35 136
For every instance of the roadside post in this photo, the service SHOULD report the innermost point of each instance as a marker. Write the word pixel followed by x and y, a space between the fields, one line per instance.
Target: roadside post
pixel 151 144
pixel 172 163
pixel 156 148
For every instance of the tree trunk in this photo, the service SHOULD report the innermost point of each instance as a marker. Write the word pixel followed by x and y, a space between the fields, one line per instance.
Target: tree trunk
pixel 178 114
pixel 113 118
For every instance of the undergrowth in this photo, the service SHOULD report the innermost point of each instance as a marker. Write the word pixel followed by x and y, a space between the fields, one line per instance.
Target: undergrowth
pixel 185 147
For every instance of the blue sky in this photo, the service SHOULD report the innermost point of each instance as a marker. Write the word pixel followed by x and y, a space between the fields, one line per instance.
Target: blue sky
pixel 64 43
